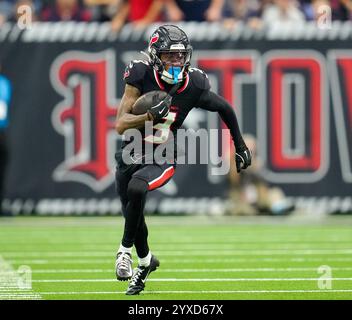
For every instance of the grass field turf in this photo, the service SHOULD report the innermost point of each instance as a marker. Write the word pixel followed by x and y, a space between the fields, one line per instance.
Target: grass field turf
pixel 213 258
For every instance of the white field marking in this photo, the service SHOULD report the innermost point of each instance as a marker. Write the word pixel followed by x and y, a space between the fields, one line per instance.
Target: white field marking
pixel 95 261
pixel 263 224
pixel 230 245
pixel 195 280
pixel 184 240
pixel 194 241
pixel 11 284
pixel 202 292
pixel 233 247
pixel 85 251
pixel 18 297
pixel 106 251
pixel 12 289
pixel 42 271
pixel 191 249
pixel 13 254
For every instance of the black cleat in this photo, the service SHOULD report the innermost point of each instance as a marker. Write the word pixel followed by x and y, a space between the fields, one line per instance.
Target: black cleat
pixel 140 276
pixel 123 266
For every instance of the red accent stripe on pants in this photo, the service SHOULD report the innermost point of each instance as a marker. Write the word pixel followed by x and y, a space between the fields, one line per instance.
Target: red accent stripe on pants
pixel 167 174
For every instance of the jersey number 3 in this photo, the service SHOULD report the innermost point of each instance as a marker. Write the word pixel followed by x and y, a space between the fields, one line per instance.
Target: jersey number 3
pixel 162 129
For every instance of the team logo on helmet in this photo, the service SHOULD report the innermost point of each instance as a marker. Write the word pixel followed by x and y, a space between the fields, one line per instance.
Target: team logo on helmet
pixel 126 73
pixel 154 39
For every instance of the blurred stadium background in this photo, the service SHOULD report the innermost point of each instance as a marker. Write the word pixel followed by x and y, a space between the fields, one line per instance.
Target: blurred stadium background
pixel 286 66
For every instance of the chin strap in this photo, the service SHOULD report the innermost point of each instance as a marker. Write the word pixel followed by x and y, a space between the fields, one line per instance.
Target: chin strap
pixel 173 75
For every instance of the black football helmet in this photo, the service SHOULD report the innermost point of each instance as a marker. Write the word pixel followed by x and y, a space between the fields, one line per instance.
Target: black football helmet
pixel 170 53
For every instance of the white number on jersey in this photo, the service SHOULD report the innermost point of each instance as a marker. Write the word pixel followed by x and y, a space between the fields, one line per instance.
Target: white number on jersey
pixel 163 129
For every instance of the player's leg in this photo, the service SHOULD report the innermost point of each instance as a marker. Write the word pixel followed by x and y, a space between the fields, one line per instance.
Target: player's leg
pixel 123 264
pixel 136 192
pixel 133 190
pixel 154 177
pixel 141 240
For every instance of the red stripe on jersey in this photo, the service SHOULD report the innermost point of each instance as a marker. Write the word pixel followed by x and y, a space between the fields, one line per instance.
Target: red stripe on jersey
pixel 158 81
pixel 167 174
pixel 185 85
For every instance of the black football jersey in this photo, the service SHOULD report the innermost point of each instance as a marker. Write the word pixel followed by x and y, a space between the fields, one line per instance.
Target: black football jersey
pixel 142 76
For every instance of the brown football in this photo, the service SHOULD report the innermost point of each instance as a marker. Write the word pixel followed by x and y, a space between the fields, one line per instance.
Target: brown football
pixel 148 100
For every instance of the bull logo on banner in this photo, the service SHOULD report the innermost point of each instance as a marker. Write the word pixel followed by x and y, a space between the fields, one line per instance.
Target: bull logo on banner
pixel 85 117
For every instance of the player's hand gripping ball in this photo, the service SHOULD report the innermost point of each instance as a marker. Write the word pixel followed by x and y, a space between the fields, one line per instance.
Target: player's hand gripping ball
pixel 156 103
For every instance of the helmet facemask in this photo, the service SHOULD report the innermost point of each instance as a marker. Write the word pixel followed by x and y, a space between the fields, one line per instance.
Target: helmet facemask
pixel 170 53
pixel 174 64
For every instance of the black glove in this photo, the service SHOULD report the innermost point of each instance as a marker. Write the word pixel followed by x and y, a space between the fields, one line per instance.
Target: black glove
pixel 243 158
pixel 160 110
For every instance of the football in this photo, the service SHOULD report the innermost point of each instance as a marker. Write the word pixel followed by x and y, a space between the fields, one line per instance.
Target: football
pixel 148 100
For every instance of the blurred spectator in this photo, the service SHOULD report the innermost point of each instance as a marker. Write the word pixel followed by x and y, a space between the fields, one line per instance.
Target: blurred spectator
pixel 306 6
pixel 103 10
pixel 140 13
pixel 316 8
pixel 194 10
pixel 282 11
pixel 6 9
pixel 341 9
pixel 312 9
pixel 35 5
pixel 9 9
pixel 5 96
pixel 250 194
pixel 66 10
pixel 242 10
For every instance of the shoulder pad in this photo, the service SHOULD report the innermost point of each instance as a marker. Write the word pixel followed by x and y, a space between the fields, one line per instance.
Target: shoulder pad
pixel 135 72
pixel 200 78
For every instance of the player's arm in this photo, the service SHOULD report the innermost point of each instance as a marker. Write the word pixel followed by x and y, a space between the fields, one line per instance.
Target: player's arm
pixel 211 101
pixel 125 119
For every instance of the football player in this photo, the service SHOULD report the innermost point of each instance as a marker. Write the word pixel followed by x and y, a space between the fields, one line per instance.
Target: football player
pixel 168 65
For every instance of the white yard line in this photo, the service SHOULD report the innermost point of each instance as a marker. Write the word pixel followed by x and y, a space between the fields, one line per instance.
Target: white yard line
pixel 12 285
pixel 161 270
pixel 241 222
pixel 95 260
pixel 184 246
pixel 196 241
pixel 203 292
pixel 194 280
pixel 246 252
pixel 19 297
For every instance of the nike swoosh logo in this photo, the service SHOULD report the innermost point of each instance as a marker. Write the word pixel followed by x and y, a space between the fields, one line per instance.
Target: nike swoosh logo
pixel 157 105
pixel 145 279
pixel 161 111
pixel 135 158
pixel 242 159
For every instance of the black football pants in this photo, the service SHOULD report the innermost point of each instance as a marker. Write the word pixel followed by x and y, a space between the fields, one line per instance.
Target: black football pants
pixel 133 183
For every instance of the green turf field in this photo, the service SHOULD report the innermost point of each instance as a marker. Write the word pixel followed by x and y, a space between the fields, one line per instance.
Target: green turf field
pixel 201 257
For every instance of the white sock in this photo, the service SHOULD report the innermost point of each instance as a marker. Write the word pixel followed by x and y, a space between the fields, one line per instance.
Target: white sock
pixel 124 249
pixel 145 262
